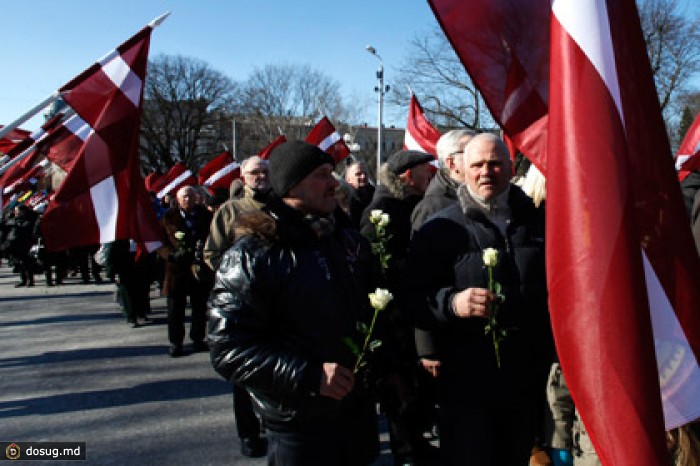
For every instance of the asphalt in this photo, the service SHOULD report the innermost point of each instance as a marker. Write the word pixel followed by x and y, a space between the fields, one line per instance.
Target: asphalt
pixel 72 370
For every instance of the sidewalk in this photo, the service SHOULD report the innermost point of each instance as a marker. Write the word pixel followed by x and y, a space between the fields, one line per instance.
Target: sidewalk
pixel 72 370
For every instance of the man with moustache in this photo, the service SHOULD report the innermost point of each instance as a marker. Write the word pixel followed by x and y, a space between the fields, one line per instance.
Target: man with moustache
pixel 286 294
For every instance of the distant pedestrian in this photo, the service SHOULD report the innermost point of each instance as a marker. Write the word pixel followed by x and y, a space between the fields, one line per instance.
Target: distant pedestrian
pixel 186 275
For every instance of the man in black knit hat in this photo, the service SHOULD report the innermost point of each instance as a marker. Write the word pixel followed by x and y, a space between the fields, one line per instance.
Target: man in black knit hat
pixel 286 295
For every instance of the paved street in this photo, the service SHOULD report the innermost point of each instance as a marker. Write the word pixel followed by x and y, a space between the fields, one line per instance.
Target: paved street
pixel 72 370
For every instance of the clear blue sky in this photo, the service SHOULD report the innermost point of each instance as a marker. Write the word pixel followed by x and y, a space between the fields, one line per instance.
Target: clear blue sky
pixel 47 42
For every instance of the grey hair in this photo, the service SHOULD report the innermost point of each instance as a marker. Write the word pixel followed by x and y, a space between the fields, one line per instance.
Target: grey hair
pixel 449 143
pixel 501 147
pixel 250 160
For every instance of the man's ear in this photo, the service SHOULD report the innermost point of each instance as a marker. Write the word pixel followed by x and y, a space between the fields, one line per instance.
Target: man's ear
pixel 406 177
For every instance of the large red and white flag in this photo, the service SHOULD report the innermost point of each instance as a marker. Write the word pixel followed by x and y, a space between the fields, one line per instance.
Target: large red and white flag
pixel 328 139
pixel 172 180
pixel 103 197
pixel 622 276
pixel 267 150
pixel 420 134
pixel 688 155
pixel 219 172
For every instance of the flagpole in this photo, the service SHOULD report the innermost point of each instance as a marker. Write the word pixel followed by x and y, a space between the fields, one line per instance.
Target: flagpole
pixel 17 159
pixel 29 114
pixel 157 22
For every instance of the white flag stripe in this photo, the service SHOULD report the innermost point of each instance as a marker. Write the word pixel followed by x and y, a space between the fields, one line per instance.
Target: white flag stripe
pixel 329 141
pixel 586 21
pixel 105 203
pixel 216 176
pixel 119 72
pixel 680 160
pixel 679 374
pixel 38 134
pixel 79 127
pixel 169 187
pixel 410 142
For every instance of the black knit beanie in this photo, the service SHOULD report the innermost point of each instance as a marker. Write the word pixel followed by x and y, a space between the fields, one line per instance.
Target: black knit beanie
pixel 291 162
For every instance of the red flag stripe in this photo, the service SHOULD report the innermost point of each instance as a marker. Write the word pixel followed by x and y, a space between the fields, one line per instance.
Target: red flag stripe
pixel 324 135
pixel 267 150
pixel 182 178
pixel 688 155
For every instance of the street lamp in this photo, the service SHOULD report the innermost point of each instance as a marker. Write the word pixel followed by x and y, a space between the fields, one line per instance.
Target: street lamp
pixel 381 90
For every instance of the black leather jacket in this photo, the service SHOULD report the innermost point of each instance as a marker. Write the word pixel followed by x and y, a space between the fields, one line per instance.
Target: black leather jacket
pixel 283 300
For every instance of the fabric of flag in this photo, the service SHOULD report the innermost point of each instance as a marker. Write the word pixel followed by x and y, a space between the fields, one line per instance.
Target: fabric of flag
pixel 12 139
pixel 267 150
pixel 688 155
pixel 219 172
pixel 62 146
pixel 508 65
pixel 150 181
pixel 175 178
pixel 328 140
pixel 420 134
pixel 103 197
pixel 622 276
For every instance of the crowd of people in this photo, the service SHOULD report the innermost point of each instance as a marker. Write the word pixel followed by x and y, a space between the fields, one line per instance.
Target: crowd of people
pixel 280 279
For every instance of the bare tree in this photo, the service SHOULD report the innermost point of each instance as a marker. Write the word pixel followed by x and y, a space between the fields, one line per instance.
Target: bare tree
pixel 673 44
pixel 433 71
pixel 182 104
pixel 288 99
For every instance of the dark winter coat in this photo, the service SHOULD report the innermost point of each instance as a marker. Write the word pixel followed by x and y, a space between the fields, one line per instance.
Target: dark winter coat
pixel 441 192
pixel 447 257
pixel 195 225
pixel 282 303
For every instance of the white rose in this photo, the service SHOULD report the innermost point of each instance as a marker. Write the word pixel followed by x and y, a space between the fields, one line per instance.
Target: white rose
pixel 490 257
pixel 383 220
pixel 375 216
pixel 380 298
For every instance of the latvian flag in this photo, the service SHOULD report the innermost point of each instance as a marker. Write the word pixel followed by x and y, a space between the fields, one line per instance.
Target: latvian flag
pixel 267 150
pixel 103 197
pixel 219 172
pixel 328 140
pixel 420 134
pixel 688 156
pixel 175 178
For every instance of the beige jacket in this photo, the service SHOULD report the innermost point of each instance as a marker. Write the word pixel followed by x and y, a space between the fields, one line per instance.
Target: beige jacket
pixel 221 234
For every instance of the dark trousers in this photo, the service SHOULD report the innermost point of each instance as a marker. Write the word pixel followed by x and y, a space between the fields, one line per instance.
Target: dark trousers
pixel 247 423
pixel 136 286
pixel 346 443
pixel 485 434
pixel 177 302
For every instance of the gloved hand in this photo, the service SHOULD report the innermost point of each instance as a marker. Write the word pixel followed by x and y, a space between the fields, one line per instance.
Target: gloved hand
pixel 562 457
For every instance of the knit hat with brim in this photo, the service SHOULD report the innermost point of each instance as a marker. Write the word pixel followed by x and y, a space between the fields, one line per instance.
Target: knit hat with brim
pixel 404 160
pixel 291 162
